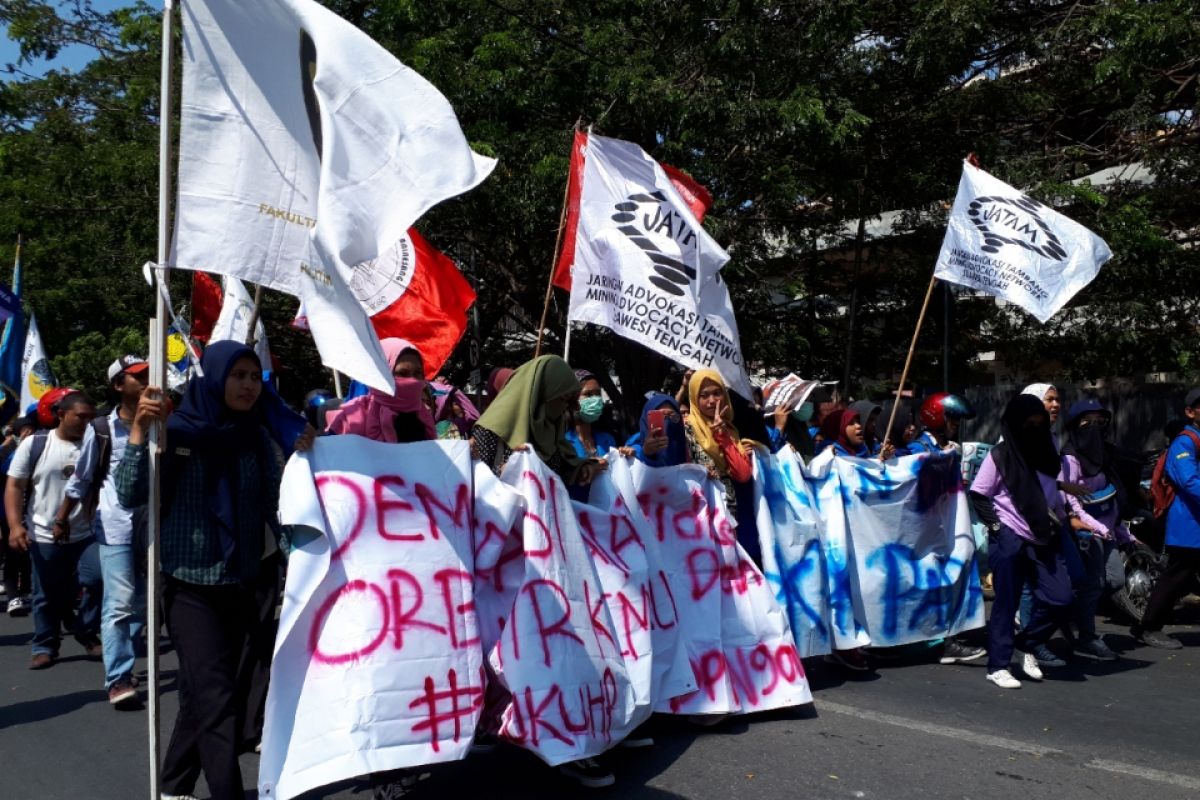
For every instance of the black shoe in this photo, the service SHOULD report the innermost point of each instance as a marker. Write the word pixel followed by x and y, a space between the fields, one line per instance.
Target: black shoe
pixel 588 773
pixel 397 783
pixel 1157 639
pixel 956 652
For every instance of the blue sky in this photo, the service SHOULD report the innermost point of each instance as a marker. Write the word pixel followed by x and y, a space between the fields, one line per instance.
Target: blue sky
pixel 72 58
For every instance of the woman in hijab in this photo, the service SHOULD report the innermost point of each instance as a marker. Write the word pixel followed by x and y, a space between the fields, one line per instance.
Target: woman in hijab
pixel 792 409
pixel 452 409
pixel 532 411
pixel 660 447
pixel 1016 494
pixel 583 433
pixel 843 431
pixel 221 473
pixel 868 415
pixel 1048 394
pixel 400 417
pixel 714 442
pixel 1088 460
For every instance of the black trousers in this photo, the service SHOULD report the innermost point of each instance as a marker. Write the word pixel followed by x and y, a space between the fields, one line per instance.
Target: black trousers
pixel 207 626
pixel 254 668
pixel 1183 563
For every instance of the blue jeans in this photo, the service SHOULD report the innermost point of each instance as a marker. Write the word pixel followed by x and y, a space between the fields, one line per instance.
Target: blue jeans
pixel 123 618
pixel 59 571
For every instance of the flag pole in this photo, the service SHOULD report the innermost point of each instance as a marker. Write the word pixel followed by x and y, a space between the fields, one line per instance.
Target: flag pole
pixel 337 383
pixel 158 377
pixel 252 331
pixel 562 220
pixel 912 347
pixel 567 344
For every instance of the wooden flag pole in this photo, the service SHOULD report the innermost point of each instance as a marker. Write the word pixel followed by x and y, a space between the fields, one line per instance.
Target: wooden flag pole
pixel 252 331
pixel 912 348
pixel 158 377
pixel 562 221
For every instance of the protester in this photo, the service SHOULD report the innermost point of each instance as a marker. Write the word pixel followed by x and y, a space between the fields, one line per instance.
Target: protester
pixel 1016 494
pixel 1183 531
pixel 790 416
pixel 940 417
pixel 1095 519
pixel 120 532
pixel 532 412
pixel 842 430
pixel 714 442
pixel 62 547
pixel 497 379
pixel 453 408
pixel 868 414
pixel 399 417
pixel 18 578
pixel 584 436
pixel 445 429
pixel 1048 394
pixel 660 447
pixel 904 430
pixel 220 484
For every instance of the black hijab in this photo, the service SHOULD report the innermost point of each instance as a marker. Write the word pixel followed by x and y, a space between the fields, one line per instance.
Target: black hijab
pixel 1091 448
pixel 1024 453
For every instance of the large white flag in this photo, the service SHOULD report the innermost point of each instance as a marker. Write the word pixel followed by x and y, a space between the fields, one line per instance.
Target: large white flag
pixel 646 269
pixel 36 377
pixel 234 321
pixel 306 149
pixel 1003 242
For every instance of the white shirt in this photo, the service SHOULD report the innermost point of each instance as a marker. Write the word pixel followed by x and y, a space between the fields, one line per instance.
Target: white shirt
pixel 48 485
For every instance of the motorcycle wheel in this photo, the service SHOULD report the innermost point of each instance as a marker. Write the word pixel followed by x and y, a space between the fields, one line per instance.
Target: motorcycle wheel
pixel 1143 567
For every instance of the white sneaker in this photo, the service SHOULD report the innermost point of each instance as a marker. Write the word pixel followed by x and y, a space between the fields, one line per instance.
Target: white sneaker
pixel 19 607
pixel 1004 679
pixel 1029 665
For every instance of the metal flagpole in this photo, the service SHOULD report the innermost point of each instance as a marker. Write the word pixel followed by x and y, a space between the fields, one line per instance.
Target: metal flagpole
pixel 337 383
pixel 158 377
pixel 567 344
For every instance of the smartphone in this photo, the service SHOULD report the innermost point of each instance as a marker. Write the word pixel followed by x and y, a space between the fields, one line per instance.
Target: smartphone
pixel 657 419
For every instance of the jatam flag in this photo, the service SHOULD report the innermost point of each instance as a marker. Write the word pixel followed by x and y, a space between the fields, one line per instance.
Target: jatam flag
pixel 646 269
pixel 307 149
pixel 698 199
pixel 415 292
pixel 1003 242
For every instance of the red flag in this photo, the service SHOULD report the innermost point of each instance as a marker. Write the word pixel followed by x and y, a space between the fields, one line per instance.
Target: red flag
pixel 206 305
pixel 416 292
pixel 698 198
pixel 566 256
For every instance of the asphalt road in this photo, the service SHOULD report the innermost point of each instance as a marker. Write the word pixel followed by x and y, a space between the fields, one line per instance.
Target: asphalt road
pixel 913 729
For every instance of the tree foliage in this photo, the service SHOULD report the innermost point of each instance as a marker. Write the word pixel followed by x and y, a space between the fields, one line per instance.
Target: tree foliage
pixel 803 118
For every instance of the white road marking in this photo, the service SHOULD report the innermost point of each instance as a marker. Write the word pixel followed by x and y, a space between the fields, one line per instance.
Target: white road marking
pixel 1015 745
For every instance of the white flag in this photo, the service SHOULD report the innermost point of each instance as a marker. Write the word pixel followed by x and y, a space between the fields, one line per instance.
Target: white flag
pixel 36 377
pixel 306 148
pixel 646 269
pixel 233 323
pixel 1003 242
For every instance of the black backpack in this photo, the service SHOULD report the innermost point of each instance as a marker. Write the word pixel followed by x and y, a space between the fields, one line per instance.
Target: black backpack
pixel 104 434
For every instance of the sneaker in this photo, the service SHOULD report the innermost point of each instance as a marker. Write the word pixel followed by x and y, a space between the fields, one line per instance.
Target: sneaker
pixel 19 607
pixel 850 659
pixel 1046 658
pixel 91 645
pixel 1004 679
pixel 41 661
pixel 122 695
pixel 165 796
pixel 956 652
pixel 1029 665
pixel 636 741
pixel 1157 639
pixel 588 773
pixel 402 784
pixel 1095 649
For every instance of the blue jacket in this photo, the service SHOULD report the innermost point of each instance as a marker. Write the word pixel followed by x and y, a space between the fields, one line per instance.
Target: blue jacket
pixel 1183 518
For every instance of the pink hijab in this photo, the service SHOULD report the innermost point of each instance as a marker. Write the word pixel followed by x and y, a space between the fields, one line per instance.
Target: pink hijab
pixel 374 414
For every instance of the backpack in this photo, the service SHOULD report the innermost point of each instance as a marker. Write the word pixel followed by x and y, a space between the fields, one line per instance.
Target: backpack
pixel 104 434
pixel 1162 491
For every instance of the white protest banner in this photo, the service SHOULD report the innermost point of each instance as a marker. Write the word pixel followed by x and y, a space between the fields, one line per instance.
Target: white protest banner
pixel 790 530
pixel 637 588
pixel 377 661
pixel 557 656
pixel 735 633
pixel 884 556
pixel 307 149
pixel 36 376
pixel 237 308
pixel 646 269
pixel 1001 241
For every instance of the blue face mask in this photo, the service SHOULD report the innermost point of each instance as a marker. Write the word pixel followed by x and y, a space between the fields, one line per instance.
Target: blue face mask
pixel 804 412
pixel 590 408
